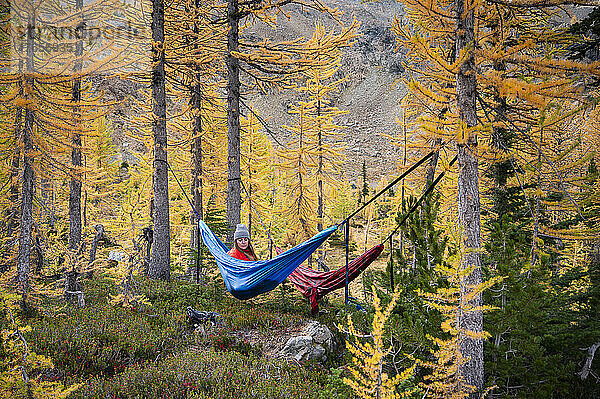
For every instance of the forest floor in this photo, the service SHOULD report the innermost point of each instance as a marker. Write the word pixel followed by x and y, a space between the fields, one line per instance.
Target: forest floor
pixel 151 350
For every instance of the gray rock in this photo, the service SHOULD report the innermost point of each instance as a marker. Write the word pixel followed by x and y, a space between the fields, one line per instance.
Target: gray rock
pixel 303 348
pixel 313 344
pixel 320 335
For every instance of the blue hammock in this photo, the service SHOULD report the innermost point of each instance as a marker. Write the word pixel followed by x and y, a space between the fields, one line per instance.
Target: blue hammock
pixel 245 279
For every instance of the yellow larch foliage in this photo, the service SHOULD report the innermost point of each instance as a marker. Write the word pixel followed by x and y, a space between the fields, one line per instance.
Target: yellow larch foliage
pixel 444 381
pixel 298 162
pixel 368 379
pixel 326 48
pixel 19 363
pixel 257 168
pixel 315 156
pixel 275 64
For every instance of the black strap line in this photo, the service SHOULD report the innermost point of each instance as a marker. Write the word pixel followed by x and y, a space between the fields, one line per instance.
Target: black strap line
pixel 402 176
pixel 255 211
pixel 262 122
pixel 421 198
pixel 181 187
pixel 346 220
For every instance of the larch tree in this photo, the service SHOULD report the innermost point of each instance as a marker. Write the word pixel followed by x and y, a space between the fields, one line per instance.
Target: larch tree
pixel 313 158
pixel 320 84
pixel 23 259
pixel 257 167
pixel 233 119
pixel 198 92
pixel 469 207
pixel 50 104
pixel 463 54
pixel 76 160
pixel 446 379
pixel 449 44
pixel 194 55
pixel 298 164
pixel 160 261
pixel 267 65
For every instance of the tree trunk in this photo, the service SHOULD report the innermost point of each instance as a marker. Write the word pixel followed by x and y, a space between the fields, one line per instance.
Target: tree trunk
pixel 75 189
pixel 536 218
pixel 39 264
pixel 433 161
pixel 250 189
pixel 197 166
pixel 468 201
pixel 75 185
pixel 13 211
pixel 250 204
pixel 99 232
pixel 233 121
pixel 73 289
pixel 319 171
pixel 320 195
pixel 159 267
pixel 24 257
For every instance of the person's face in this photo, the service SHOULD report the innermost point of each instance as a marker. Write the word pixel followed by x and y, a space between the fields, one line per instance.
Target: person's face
pixel 242 242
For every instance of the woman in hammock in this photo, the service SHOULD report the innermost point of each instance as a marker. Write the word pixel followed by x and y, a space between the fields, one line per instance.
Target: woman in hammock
pixel 242 248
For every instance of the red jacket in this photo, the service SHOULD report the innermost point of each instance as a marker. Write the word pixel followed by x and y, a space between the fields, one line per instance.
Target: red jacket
pixel 240 255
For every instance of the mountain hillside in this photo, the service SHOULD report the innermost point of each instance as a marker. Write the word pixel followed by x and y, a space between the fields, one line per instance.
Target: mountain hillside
pixel 372 93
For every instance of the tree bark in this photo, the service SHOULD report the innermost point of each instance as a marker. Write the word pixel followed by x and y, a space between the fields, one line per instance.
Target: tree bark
pixel 73 289
pixel 233 121
pixel 432 165
pixel 39 264
pixel 320 195
pixel 319 172
pixel 13 211
pixel 587 366
pixel 24 257
pixel 470 320
pixel 75 185
pixel 197 164
pixel 93 248
pixel 75 191
pixel 159 267
pixel 536 218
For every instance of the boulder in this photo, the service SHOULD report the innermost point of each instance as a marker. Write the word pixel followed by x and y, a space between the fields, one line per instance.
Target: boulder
pixel 320 335
pixel 313 344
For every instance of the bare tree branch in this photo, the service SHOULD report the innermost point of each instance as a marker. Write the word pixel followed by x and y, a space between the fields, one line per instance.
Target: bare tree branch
pixel 544 3
pixel 588 361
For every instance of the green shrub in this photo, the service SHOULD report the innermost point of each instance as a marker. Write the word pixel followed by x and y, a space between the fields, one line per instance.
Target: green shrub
pixel 208 374
pixel 335 387
pixel 106 339
pixel 234 344
pixel 101 338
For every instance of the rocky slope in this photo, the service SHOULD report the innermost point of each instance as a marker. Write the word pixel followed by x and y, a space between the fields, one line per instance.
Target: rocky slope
pixel 372 93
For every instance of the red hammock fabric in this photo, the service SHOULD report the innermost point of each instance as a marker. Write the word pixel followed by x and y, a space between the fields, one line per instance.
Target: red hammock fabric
pixel 315 285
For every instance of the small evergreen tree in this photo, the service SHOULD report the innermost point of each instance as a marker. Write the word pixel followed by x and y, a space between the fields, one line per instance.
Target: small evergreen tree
pixel 364 192
pixel 368 379
pixel 446 379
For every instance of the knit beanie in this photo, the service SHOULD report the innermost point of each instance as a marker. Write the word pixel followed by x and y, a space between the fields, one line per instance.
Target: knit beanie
pixel 241 231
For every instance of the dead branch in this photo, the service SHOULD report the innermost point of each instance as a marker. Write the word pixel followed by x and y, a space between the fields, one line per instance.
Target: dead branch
pixel 588 361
